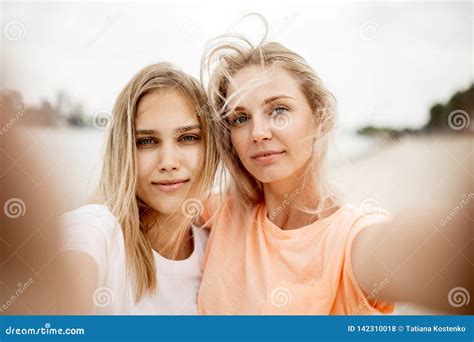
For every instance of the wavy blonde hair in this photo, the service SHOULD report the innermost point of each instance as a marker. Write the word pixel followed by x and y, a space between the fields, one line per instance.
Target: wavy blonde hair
pixel 119 174
pixel 224 57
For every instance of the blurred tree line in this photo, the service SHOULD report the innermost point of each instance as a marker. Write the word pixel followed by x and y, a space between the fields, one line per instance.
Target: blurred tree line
pixel 439 113
pixel 64 112
pixel 458 112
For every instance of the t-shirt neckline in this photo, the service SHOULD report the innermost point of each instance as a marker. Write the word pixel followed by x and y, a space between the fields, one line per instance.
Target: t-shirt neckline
pixel 184 263
pixel 294 233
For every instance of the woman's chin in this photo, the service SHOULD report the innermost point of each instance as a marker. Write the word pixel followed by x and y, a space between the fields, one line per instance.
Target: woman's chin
pixel 271 178
pixel 166 208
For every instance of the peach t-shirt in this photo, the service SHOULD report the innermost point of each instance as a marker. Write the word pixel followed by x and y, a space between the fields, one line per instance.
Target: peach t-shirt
pixel 253 267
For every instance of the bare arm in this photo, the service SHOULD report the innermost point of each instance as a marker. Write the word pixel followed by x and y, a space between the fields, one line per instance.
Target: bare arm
pixel 76 287
pixel 426 259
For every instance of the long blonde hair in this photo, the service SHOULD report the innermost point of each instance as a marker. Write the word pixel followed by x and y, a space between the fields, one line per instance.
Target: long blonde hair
pixel 119 174
pixel 228 54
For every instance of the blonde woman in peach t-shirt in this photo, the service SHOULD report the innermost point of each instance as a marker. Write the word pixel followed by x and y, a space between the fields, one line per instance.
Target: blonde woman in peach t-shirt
pixel 282 241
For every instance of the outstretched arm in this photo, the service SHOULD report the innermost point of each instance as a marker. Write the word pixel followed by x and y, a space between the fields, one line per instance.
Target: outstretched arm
pixel 76 289
pixel 425 255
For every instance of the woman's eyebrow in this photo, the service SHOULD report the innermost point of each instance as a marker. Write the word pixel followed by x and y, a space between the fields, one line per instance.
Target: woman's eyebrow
pixel 264 103
pixel 177 130
pixel 187 128
pixel 145 131
pixel 237 109
pixel 274 98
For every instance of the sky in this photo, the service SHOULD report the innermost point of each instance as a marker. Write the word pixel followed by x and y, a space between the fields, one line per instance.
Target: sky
pixel 386 63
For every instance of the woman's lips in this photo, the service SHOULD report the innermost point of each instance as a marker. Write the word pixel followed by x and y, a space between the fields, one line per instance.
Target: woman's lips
pixel 267 157
pixel 170 186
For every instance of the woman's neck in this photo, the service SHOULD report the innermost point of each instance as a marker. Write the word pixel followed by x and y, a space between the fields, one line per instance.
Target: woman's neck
pixel 286 198
pixel 284 204
pixel 162 230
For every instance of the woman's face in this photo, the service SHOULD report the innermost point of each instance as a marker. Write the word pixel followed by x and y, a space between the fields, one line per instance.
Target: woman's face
pixel 169 146
pixel 271 124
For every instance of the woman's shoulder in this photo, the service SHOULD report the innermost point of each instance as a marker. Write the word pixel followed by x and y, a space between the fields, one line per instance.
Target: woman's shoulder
pixel 366 212
pixel 97 216
pixel 212 207
pixel 224 210
pixel 351 218
pixel 90 230
pixel 97 211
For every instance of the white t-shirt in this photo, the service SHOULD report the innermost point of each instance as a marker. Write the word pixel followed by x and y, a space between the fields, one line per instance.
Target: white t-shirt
pixel 94 230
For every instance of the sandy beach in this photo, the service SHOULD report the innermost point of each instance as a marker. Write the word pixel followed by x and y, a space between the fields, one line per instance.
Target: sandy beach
pixel 408 170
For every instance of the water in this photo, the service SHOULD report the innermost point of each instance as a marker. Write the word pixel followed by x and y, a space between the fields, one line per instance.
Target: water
pixel 349 146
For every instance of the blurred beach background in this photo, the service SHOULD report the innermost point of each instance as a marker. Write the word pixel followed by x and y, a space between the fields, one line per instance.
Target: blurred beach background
pixel 403 82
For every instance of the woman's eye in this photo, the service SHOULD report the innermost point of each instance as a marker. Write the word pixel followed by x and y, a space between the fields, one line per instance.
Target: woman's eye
pixel 239 120
pixel 146 142
pixel 279 110
pixel 189 138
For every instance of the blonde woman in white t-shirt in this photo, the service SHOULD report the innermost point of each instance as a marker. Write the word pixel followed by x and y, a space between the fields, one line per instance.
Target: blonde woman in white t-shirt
pixel 139 250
